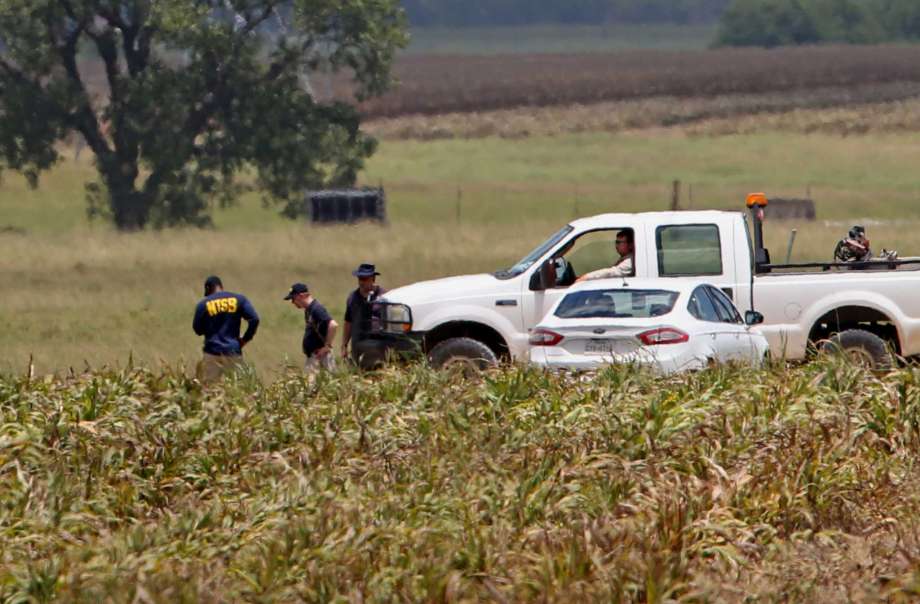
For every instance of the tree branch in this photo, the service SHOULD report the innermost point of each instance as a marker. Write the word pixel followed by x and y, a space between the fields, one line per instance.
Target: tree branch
pixel 13 72
pixel 135 40
pixel 84 118
pixel 251 25
pixel 197 120
pixel 276 68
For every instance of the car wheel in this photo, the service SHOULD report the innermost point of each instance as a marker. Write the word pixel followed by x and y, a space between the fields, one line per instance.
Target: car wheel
pixel 863 348
pixel 466 353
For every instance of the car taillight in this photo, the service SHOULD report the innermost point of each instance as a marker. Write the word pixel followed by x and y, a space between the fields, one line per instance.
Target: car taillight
pixel 663 335
pixel 544 337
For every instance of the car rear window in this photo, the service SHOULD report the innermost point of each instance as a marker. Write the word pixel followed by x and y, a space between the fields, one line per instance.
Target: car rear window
pixel 616 303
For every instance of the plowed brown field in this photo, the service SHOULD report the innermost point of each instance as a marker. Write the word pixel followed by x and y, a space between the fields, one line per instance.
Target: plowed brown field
pixel 434 84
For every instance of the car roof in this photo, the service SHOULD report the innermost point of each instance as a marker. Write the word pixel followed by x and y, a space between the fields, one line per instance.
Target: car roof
pixel 606 221
pixel 681 285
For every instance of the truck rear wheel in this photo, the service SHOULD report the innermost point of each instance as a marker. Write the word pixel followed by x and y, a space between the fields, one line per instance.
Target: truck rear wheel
pixel 862 347
pixel 465 352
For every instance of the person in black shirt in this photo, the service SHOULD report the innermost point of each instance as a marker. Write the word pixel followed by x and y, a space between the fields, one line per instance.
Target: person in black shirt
pixel 358 310
pixel 319 333
pixel 218 317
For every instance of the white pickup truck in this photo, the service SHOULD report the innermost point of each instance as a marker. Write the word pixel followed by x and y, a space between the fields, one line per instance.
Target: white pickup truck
pixel 869 309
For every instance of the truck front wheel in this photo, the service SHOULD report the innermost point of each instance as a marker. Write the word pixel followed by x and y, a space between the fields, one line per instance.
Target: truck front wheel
pixel 466 352
pixel 863 347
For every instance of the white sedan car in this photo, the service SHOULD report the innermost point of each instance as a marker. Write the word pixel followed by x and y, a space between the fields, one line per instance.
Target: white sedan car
pixel 669 324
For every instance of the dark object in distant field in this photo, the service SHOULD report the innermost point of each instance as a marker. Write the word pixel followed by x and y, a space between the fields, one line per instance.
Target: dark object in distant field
pixel 346 205
pixel 788 209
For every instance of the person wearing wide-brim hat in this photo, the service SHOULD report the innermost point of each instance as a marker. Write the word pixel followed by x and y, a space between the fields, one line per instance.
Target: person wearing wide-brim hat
pixel 358 310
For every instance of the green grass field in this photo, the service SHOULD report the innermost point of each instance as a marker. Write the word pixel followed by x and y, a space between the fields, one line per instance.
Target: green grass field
pixel 75 292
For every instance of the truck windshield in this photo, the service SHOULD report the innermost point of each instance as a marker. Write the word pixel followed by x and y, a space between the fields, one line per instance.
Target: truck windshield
pixel 535 255
pixel 617 303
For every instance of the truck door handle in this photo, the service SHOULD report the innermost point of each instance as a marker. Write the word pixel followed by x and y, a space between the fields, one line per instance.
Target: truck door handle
pixel 506 303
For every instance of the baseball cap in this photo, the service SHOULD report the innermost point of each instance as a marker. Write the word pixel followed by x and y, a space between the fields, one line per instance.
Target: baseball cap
pixel 210 283
pixel 296 289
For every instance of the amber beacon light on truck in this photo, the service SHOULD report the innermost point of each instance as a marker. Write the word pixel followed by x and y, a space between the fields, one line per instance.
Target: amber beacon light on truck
pixel 756 202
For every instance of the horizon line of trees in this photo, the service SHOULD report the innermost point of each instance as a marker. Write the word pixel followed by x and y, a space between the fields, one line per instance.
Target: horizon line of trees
pixel 770 23
pixel 764 23
pixel 471 13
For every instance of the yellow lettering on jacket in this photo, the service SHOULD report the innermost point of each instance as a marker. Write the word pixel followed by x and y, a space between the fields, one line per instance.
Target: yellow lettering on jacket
pixel 222 305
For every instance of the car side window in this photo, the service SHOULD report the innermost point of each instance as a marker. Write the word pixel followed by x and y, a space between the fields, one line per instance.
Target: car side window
pixel 727 311
pixel 589 252
pixel 688 250
pixel 701 306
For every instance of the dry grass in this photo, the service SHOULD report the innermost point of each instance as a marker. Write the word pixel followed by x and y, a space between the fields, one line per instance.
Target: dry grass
pixel 99 297
pixel 727 485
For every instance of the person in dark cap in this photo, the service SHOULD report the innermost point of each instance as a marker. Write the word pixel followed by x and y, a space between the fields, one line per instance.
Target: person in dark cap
pixel 358 309
pixel 319 333
pixel 218 317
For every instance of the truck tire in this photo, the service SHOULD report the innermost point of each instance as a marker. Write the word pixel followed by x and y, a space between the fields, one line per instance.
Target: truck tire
pixel 862 347
pixel 462 351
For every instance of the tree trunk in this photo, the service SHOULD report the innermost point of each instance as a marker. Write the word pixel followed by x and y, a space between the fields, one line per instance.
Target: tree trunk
pixel 130 207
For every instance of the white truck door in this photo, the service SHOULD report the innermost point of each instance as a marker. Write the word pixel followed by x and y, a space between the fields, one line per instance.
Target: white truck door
pixel 582 253
pixel 698 246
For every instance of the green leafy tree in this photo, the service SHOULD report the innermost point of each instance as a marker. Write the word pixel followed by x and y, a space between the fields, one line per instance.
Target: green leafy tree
pixel 901 18
pixel 850 21
pixel 190 95
pixel 766 23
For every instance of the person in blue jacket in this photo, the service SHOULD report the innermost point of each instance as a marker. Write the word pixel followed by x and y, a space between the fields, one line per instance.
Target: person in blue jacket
pixel 218 317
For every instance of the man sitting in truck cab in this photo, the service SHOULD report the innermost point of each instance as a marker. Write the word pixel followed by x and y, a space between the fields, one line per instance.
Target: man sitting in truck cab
pixel 625 247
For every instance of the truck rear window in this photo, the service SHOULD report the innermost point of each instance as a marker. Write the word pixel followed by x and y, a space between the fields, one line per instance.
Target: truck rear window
pixel 616 303
pixel 688 250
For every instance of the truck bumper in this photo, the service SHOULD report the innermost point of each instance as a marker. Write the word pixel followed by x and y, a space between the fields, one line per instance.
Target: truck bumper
pixel 375 349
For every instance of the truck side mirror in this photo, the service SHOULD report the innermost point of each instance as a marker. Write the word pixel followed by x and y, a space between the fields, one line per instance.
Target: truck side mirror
pixel 544 278
pixel 752 317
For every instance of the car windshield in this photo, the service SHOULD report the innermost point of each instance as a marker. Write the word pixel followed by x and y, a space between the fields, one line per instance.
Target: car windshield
pixel 535 255
pixel 616 303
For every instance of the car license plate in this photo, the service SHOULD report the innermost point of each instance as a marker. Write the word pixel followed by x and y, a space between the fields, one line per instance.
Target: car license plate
pixel 608 346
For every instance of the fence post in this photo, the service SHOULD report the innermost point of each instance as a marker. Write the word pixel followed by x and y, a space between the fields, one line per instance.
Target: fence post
pixel 459 199
pixel 675 196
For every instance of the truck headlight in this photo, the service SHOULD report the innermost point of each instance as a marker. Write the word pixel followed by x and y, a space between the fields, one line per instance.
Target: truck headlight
pixel 397 318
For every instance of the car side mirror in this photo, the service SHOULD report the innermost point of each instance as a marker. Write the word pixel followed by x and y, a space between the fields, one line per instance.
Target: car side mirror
pixel 543 278
pixel 752 317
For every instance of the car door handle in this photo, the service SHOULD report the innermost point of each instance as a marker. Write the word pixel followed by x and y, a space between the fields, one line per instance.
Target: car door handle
pixel 506 303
